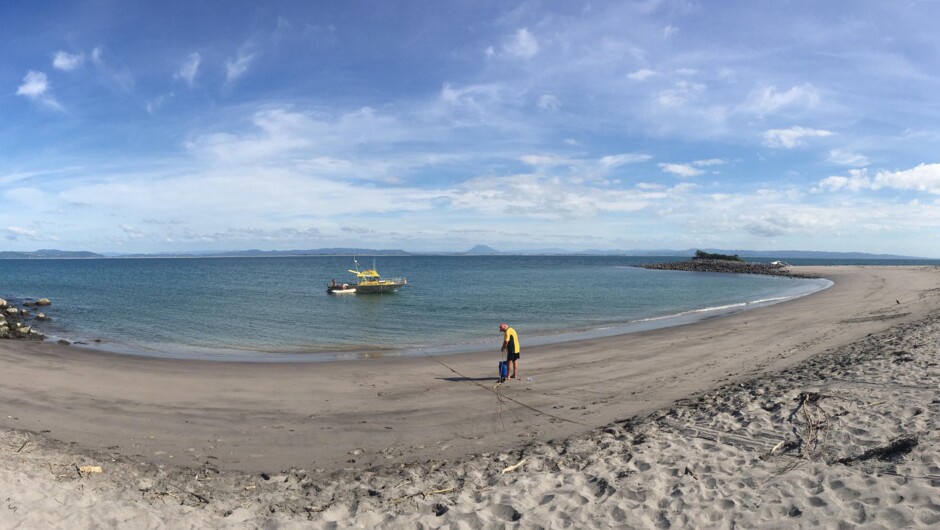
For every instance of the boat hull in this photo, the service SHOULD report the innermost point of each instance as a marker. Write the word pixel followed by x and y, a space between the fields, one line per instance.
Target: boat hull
pixel 382 287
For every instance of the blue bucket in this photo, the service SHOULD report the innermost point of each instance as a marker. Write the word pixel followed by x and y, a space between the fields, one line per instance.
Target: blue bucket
pixel 503 369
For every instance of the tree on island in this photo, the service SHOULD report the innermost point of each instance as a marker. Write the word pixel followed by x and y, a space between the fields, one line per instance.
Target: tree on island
pixel 705 255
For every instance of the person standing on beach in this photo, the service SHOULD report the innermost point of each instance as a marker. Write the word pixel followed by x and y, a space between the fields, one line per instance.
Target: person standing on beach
pixel 512 349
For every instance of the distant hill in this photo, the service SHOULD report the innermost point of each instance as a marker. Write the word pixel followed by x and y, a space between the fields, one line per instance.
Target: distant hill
pixel 482 250
pixel 309 252
pixel 47 254
pixel 254 253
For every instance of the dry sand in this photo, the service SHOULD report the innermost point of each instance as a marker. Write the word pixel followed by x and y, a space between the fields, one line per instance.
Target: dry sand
pixel 818 412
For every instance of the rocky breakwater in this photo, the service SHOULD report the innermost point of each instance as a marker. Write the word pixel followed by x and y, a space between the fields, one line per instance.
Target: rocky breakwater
pixel 14 320
pixel 733 266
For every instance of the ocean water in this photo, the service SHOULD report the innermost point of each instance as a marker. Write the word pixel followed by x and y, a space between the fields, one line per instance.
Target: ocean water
pixel 278 309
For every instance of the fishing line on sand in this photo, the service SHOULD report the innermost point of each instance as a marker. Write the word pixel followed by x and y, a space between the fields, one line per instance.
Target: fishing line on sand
pixel 503 396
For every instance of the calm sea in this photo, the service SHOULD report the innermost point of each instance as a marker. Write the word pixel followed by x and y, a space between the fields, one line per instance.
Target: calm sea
pixel 278 309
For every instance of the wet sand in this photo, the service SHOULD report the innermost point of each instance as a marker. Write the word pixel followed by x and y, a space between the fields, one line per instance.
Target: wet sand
pixel 363 432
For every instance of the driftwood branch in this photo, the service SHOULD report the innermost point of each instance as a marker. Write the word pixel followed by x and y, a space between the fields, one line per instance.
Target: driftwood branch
pixel 513 467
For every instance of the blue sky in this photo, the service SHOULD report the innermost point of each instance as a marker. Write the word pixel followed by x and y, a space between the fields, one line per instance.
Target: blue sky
pixel 134 126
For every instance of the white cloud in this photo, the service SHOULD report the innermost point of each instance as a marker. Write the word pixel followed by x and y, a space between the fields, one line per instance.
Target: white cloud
pixel 792 137
pixel 769 100
pixel 475 105
pixel 132 232
pixel 545 160
pixel 16 232
pixel 709 162
pixel 279 132
pixel 857 180
pixel 924 177
pixel 588 169
pixel 841 157
pixel 282 137
pixel 612 161
pixel 641 74
pixel 549 102
pixel 669 31
pixel 189 69
pixel 235 68
pixel 36 87
pixel 683 92
pixel 681 170
pixel 543 197
pixel 523 45
pixel 67 61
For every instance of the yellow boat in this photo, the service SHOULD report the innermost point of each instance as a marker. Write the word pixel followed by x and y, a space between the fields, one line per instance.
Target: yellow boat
pixel 371 282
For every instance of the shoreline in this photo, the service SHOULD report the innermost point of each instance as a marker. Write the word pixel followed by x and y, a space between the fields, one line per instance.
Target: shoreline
pixel 364 352
pixel 184 415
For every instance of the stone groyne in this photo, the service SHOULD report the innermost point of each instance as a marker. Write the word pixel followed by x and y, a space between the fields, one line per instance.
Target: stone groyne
pixel 721 265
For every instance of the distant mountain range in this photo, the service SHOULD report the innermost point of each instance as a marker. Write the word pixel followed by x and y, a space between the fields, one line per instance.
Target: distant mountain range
pixel 46 253
pixel 253 253
pixel 478 250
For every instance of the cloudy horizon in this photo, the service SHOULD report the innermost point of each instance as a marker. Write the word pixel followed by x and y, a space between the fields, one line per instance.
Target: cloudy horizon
pixel 136 127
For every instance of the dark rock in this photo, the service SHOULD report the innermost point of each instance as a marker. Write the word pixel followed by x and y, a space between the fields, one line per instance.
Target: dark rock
pixel 730 266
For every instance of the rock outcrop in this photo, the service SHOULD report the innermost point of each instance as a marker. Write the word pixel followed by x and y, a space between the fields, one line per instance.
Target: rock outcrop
pixel 12 320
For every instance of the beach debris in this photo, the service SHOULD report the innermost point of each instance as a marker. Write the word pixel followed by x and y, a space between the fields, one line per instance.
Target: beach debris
pixel 438 492
pixel 89 469
pixel 513 467
pixel 815 430
pixel 424 494
pixel 25 444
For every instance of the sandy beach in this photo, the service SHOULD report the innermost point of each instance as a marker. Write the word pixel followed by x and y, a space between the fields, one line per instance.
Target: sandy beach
pixel 817 412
